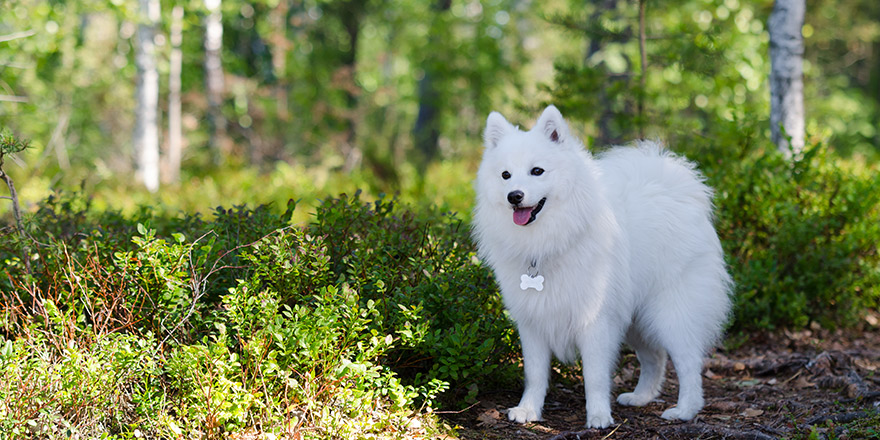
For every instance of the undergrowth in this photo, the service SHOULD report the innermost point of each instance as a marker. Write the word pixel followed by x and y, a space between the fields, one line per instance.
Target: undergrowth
pixel 242 324
pixel 801 236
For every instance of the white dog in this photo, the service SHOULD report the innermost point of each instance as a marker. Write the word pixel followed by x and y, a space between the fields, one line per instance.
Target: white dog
pixel 591 252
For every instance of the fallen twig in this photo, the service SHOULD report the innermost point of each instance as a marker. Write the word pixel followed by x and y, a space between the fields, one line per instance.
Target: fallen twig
pixel 699 430
pixel 838 418
pixel 587 433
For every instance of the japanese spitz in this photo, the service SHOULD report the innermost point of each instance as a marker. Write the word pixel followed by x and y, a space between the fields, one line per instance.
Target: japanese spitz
pixel 593 251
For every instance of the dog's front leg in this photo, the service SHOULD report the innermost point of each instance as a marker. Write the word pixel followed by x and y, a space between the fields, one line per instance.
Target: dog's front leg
pixel 536 362
pixel 599 353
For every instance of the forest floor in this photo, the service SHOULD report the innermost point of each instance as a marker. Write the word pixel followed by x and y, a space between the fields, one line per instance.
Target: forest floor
pixel 812 384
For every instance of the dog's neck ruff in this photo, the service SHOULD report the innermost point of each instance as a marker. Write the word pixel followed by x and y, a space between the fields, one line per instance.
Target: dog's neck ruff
pixel 530 281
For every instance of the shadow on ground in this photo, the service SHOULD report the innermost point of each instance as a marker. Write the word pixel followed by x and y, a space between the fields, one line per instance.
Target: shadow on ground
pixel 787 385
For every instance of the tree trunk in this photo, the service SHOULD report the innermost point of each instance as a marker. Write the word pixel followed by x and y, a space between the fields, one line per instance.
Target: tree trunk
pixel 643 77
pixel 351 16
pixel 146 130
pixel 214 79
pixel 175 136
pixel 426 133
pixel 280 46
pixel 786 75
pixel 605 135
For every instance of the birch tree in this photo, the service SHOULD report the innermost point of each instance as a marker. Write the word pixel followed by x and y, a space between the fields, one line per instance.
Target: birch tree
pixel 146 129
pixel 175 135
pixel 786 75
pixel 214 77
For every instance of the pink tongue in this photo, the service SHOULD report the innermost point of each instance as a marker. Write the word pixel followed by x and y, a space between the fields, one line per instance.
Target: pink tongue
pixel 521 216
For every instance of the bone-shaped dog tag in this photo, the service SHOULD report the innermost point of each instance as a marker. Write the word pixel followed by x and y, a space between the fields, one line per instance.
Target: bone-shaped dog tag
pixel 528 282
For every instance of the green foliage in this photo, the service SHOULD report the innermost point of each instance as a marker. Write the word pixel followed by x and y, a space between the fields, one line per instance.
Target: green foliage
pixel 802 236
pixel 866 426
pixel 706 62
pixel 10 144
pixel 845 84
pixel 423 274
pixel 305 80
pixel 183 327
pixel 55 387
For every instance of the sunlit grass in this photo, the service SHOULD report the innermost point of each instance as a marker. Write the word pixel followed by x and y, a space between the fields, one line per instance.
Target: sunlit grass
pixel 447 184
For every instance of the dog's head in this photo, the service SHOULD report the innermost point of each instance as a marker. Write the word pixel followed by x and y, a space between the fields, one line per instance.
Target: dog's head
pixel 529 171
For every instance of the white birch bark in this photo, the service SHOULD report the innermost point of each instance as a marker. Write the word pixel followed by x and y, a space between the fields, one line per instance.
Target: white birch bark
pixel 175 135
pixel 786 75
pixel 214 76
pixel 146 130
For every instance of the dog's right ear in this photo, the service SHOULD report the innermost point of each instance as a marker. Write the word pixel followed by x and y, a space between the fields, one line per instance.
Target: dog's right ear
pixel 496 128
pixel 552 124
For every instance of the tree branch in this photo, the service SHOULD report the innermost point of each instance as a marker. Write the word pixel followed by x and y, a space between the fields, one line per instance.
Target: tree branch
pixel 16 212
pixel 17 35
pixel 11 98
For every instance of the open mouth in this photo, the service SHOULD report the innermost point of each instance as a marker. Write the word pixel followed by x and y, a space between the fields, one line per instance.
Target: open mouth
pixel 526 214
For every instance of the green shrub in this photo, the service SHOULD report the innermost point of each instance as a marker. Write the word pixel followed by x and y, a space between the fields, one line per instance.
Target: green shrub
pixel 345 327
pixel 421 271
pixel 801 236
pixel 91 387
pixel 294 346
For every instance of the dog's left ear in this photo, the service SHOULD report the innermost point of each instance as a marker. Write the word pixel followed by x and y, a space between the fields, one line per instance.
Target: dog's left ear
pixel 552 125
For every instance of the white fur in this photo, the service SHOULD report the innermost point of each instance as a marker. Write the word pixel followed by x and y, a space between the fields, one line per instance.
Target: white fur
pixel 628 252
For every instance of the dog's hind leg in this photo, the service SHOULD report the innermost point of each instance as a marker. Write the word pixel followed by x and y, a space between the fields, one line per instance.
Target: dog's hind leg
pixel 688 363
pixel 688 322
pixel 652 361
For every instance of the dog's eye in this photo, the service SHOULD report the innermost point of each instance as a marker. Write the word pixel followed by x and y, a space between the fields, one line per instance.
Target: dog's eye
pixel 505 175
pixel 537 171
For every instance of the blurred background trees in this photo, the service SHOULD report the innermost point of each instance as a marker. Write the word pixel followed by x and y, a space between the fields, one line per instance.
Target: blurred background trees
pixel 390 89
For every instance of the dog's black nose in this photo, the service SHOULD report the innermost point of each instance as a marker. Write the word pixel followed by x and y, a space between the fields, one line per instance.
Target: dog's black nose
pixel 515 197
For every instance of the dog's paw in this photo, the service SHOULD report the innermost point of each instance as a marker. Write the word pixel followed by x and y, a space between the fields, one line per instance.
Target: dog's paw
pixel 521 414
pixel 633 399
pixel 678 413
pixel 599 420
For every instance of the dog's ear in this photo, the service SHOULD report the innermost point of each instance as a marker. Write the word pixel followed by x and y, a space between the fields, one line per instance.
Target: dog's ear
pixel 552 125
pixel 496 128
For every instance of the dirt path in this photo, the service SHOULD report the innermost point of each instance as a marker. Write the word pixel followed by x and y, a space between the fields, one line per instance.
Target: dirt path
pixel 776 386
